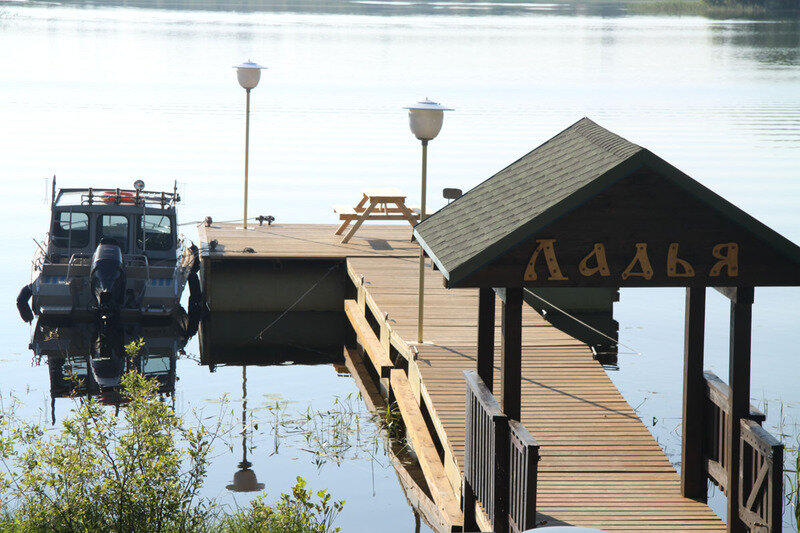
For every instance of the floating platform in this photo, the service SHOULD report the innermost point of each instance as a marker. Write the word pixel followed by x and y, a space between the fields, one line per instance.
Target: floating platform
pixel 600 467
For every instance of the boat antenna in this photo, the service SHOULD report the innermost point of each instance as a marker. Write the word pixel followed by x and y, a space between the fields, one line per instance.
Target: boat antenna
pixel 53 194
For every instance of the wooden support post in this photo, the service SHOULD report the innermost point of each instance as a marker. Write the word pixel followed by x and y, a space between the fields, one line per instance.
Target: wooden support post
pixel 486 310
pixel 511 396
pixel 739 378
pixel 693 468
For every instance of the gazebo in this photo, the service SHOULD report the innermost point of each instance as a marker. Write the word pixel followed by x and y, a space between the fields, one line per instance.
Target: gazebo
pixel 591 209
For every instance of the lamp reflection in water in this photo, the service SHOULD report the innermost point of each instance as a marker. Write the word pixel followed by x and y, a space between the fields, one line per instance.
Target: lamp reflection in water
pixel 244 479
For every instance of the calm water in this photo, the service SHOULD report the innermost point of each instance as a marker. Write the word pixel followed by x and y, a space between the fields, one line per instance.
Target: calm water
pixel 103 95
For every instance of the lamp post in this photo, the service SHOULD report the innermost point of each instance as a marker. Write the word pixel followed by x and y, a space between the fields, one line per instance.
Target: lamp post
pixel 248 74
pixel 425 120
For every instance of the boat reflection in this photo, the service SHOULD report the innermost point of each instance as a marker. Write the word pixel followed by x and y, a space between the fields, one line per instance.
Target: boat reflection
pixel 89 359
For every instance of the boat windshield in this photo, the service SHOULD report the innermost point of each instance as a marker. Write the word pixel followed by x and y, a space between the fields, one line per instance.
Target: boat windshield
pixel 114 228
pixel 70 230
pixel 157 233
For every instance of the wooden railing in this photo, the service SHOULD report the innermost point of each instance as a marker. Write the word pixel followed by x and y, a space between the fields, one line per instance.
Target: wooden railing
pixel 486 441
pixel 760 467
pixel 500 463
pixel 715 416
pixel 761 479
pixel 523 470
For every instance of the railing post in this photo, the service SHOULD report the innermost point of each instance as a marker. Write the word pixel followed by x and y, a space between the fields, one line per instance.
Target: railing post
pixel 776 490
pixel 468 501
pixel 693 470
pixel 501 464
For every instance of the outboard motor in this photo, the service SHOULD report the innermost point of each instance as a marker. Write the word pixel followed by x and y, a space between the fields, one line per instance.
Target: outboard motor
pixel 108 358
pixel 107 278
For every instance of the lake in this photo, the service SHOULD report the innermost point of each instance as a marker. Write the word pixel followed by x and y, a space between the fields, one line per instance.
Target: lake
pixel 104 95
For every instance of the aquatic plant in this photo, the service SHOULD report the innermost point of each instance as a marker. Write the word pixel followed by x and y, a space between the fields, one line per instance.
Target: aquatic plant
pixel 298 512
pixel 391 422
pixel 343 432
pixel 141 471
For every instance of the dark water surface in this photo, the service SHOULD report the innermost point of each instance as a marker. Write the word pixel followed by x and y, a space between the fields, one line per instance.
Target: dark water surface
pixel 104 95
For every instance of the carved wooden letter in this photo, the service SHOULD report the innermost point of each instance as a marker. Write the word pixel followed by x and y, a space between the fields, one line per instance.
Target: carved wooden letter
pixel 730 260
pixel 546 246
pixel 599 254
pixel 641 258
pixel 673 262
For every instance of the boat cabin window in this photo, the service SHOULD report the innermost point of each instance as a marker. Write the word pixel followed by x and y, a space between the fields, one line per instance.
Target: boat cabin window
pixel 113 227
pixel 70 230
pixel 157 233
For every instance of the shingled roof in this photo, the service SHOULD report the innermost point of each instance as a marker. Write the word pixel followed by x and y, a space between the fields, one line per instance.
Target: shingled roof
pixel 543 186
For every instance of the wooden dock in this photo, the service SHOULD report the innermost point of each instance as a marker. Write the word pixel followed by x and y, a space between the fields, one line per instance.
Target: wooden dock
pixel 600 467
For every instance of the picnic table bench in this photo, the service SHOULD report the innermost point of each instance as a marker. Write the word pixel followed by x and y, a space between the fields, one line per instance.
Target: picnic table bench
pixel 387 203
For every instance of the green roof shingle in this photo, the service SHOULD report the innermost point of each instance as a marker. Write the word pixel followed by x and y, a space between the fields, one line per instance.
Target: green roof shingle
pixel 550 182
pixel 502 204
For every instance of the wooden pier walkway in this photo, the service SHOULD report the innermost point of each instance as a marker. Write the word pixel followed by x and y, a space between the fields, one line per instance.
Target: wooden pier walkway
pixel 600 467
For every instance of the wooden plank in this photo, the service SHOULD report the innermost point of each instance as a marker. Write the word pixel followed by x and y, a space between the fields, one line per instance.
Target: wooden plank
pixel 561 369
pixel 407 471
pixel 600 465
pixel 378 356
pixel 355 365
pixel 425 450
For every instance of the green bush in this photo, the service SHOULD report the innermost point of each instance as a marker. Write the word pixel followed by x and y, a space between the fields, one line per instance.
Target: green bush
pixel 295 513
pixel 140 472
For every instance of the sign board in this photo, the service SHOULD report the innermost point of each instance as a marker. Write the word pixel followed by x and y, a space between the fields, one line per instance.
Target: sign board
pixel 642 231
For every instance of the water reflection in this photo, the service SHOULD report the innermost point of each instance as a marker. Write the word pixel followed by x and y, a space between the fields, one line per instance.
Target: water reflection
pixel 309 338
pixel 768 42
pixel 88 359
pixel 244 479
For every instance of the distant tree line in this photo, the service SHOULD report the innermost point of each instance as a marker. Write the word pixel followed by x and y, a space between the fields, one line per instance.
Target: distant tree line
pixel 766 4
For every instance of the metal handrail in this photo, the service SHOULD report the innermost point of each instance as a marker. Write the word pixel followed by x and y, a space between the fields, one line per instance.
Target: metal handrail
pixel 72 259
pixel 127 259
pixel 90 195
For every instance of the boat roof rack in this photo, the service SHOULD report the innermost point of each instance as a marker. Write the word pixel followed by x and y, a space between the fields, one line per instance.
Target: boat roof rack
pixel 129 197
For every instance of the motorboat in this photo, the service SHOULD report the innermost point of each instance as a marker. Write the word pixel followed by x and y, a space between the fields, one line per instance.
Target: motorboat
pixel 110 253
pixel 88 358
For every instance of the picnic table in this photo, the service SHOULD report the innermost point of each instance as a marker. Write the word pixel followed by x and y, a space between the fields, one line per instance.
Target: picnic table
pixel 386 203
